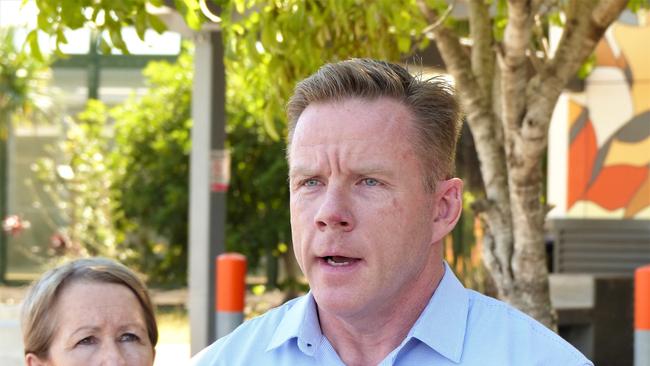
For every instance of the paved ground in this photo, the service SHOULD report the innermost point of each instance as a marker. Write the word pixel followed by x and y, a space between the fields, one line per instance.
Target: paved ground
pixel 11 345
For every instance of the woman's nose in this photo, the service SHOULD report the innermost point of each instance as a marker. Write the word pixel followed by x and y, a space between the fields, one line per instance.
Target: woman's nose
pixel 112 355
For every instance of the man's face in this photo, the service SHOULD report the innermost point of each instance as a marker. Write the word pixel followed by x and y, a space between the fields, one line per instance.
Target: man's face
pixel 362 222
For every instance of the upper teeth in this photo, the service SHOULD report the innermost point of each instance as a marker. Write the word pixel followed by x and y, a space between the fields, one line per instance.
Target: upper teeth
pixel 331 261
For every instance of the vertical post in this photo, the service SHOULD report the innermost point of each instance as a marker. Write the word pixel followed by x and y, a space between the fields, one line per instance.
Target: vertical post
pixel 231 285
pixel 93 67
pixel 207 199
pixel 642 316
pixel 4 186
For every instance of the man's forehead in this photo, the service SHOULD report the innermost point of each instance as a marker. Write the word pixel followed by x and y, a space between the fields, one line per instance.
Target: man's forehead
pixel 350 119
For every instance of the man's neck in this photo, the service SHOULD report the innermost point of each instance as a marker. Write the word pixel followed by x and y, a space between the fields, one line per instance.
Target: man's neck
pixel 367 339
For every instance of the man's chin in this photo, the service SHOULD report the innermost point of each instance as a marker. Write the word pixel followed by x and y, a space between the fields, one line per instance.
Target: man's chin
pixel 338 301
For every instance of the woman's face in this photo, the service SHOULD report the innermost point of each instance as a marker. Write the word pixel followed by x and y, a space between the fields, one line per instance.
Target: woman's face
pixel 98 324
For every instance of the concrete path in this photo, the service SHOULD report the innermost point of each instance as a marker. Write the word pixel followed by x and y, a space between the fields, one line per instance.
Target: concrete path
pixel 11 345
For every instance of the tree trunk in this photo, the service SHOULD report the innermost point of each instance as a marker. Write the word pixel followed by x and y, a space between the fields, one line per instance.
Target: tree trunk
pixel 530 292
pixel 509 121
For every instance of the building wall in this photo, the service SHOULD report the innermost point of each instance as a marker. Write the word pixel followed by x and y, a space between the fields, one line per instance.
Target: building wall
pixel 599 142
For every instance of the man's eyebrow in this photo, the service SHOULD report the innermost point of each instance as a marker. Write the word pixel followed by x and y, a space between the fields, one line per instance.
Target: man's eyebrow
pixel 372 169
pixel 307 171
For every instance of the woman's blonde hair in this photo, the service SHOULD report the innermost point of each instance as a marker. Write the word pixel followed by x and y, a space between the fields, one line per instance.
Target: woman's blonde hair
pixel 37 318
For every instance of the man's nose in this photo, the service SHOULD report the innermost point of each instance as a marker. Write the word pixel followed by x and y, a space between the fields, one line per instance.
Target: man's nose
pixel 112 355
pixel 334 212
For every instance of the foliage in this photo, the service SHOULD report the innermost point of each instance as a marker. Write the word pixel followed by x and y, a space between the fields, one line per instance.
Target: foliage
pixel 122 185
pixel 80 186
pixel 257 220
pixel 272 45
pixel 108 17
pixel 151 162
pixel 22 81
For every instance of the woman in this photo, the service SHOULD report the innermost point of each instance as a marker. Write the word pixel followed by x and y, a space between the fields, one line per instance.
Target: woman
pixel 89 312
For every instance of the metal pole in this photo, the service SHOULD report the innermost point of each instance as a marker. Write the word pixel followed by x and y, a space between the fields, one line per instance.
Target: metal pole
pixel 642 316
pixel 208 184
pixel 231 290
pixel 93 67
pixel 4 184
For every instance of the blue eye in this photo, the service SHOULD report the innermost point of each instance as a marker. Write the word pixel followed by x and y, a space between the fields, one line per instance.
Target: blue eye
pixel 310 183
pixel 129 337
pixel 371 182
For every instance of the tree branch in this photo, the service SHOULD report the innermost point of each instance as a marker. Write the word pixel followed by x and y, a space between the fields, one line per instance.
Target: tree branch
pixel 482 51
pixel 486 129
pixel 453 54
pixel 586 23
pixel 513 63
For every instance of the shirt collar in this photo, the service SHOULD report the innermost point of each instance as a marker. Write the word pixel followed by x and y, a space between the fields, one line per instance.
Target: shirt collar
pixel 301 322
pixel 441 326
pixel 443 322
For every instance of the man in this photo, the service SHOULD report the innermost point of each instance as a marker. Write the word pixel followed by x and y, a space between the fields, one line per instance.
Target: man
pixel 371 155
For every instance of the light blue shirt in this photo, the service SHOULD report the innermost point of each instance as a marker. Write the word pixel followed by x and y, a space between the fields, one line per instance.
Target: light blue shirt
pixel 457 327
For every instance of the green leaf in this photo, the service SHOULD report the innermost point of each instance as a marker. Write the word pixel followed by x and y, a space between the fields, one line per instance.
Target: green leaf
pixel 104 45
pixel 587 67
pixel 60 37
pixel 34 47
pixel 72 17
pixel 192 19
pixel 240 6
pixel 156 23
pixel 117 40
pixel 555 18
pixel 403 44
pixel 269 126
pixel 43 21
pixel 141 23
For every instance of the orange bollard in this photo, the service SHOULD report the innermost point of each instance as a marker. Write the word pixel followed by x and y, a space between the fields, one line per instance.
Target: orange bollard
pixel 642 316
pixel 230 292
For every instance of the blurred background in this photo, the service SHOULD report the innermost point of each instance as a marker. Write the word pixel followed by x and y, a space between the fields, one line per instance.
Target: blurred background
pixel 100 104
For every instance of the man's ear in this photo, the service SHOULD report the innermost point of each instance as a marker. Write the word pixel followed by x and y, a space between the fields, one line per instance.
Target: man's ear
pixel 448 206
pixel 33 360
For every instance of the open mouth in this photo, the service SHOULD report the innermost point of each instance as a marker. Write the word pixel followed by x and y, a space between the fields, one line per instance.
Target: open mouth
pixel 339 261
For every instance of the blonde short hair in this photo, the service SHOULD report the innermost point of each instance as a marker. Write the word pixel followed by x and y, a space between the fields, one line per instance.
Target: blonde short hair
pixel 37 318
pixel 432 103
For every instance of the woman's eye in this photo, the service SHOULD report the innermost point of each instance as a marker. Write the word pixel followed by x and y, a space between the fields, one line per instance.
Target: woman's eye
pixel 129 337
pixel 87 341
pixel 371 182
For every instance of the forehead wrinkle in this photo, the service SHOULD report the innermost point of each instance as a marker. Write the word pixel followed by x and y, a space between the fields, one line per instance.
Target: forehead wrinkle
pixel 339 158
